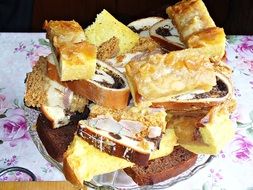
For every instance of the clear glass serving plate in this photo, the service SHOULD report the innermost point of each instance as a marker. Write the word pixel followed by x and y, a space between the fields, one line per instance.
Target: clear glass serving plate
pixel 118 179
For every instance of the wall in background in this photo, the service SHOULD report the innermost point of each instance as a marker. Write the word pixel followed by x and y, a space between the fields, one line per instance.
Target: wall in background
pixel 235 16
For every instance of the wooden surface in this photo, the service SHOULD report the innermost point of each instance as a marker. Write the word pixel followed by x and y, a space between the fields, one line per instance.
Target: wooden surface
pixel 53 185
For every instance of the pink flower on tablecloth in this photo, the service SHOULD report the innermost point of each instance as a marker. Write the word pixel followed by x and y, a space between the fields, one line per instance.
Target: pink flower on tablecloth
pixel 34 54
pixel 241 148
pixel 241 115
pixel 4 104
pixel 237 92
pixel 245 49
pixel 215 175
pixel 245 53
pixel 10 162
pixel 48 168
pixel 251 84
pixel 15 176
pixel 13 126
pixel 34 50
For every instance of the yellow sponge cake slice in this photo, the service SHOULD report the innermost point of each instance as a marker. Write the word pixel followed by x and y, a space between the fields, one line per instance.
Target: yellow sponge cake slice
pixel 204 135
pixel 105 27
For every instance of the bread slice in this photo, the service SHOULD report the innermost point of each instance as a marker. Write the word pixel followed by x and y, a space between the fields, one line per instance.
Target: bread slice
pixel 105 27
pixel 204 134
pixel 75 61
pixel 166 34
pixel 64 31
pixel 108 87
pixel 163 168
pixel 190 16
pixel 131 133
pixel 83 161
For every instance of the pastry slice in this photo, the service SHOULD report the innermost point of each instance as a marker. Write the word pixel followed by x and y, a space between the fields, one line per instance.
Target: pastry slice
pixel 213 39
pixel 64 31
pixel 166 34
pixel 75 58
pixel 183 79
pixel 190 16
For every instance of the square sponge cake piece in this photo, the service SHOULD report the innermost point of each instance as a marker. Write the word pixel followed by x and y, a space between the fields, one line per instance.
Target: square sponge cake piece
pixel 105 27
pixel 76 61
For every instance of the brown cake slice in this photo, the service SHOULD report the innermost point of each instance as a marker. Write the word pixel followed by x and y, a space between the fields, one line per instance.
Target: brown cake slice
pixel 162 168
pixel 56 141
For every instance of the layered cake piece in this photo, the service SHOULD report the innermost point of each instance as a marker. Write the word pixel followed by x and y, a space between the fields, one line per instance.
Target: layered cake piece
pixel 82 161
pixel 130 133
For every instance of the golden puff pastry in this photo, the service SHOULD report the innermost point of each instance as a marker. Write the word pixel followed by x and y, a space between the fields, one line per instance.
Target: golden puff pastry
pixel 163 76
pixel 190 16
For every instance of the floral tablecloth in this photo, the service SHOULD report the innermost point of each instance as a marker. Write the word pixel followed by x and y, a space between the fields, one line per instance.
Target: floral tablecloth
pixel 231 169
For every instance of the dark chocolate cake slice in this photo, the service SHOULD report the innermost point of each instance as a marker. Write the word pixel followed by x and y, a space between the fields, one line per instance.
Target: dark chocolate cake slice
pixel 162 168
pixel 56 141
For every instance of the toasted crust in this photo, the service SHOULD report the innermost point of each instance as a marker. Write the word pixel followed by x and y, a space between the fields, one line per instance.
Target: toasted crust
pixel 36 89
pixel 69 172
pixel 108 97
pixel 108 49
pixel 145 44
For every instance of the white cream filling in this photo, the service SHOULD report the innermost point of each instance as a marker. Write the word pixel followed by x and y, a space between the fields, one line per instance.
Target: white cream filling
pixel 190 95
pixel 57 115
pixel 58 95
pixel 154 132
pixel 123 127
pixel 102 76
pixel 124 140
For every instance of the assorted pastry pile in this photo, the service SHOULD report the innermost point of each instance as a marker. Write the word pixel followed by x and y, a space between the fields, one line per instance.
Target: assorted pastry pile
pixel 146 98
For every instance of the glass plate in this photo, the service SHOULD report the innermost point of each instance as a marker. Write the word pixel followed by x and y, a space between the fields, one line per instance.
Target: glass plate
pixel 118 179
